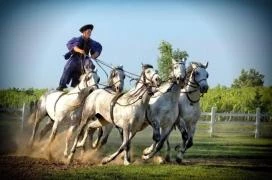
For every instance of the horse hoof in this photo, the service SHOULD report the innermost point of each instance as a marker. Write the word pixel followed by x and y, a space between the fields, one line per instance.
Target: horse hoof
pixel 69 160
pixel 105 160
pixel 65 154
pixel 160 160
pixel 126 163
pixel 178 160
pixel 145 157
pixel 146 151
pixel 167 158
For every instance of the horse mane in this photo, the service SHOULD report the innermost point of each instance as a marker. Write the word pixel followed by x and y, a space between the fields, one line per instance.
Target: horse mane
pixel 82 76
pixel 111 74
pixel 146 66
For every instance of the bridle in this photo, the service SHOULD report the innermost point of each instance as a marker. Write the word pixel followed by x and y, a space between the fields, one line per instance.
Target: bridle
pixel 195 85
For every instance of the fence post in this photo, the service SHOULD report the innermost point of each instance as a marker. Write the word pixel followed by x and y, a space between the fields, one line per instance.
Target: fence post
pixel 212 120
pixel 23 117
pixel 258 120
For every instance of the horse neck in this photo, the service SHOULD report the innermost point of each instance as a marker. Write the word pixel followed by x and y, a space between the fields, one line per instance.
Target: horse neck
pixel 77 89
pixel 193 91
pixel 167 90
pixel 139 90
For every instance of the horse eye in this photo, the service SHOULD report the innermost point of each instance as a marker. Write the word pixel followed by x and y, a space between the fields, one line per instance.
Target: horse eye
pixel 207 75
pixel 148 71
pixel 124 77
pixel 196 73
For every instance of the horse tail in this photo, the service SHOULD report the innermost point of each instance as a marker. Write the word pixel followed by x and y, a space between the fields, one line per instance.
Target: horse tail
pixel 33 106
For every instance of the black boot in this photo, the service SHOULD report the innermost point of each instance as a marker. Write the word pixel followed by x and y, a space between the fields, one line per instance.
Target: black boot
pixel 60 88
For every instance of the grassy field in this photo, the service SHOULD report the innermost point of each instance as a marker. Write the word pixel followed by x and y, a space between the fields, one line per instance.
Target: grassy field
pixel 219 157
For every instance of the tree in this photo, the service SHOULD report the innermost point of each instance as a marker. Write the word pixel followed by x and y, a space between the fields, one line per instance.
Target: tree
pixel 251 78
pixel 165 59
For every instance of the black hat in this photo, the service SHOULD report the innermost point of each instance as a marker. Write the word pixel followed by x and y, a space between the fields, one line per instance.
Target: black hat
pixel 85 27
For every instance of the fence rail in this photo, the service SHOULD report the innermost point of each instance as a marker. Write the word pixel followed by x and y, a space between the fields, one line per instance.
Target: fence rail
pixel 214 114
pixel 254 130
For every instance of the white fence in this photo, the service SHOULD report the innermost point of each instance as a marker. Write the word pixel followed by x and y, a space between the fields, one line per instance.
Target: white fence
pixel 213 114
pixel 20 110
pixel 211 124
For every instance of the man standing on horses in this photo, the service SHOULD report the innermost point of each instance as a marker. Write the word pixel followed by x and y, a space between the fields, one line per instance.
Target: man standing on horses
pixel 79 49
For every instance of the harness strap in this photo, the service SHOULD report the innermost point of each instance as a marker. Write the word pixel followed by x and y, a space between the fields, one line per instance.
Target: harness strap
pixel 112 104
pixel 62 94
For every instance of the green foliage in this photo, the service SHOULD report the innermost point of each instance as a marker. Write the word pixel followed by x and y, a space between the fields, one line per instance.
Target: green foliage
pixel 245 99
pixel 251 78
pixel 165 59
pixel 15 97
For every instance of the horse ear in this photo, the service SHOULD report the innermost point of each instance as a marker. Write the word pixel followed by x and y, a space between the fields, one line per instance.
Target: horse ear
pixel 206 65
pixel 121 66
pixel 95 70
pixel 194 65
pixel 173 60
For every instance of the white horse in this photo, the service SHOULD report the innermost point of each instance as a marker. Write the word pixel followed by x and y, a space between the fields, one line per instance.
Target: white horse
pixel 128 112
pixel 58 104
pixel 163 110
pixel 115 85
pixel 196 84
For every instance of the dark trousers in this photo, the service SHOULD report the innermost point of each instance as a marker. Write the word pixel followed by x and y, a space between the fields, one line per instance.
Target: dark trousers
pixel 73 70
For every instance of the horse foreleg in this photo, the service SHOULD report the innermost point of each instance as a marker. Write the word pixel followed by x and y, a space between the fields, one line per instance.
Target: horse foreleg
pixel 156 137
pixel 93 124
pixel 120 149
pixel 127 150
pixel 164 136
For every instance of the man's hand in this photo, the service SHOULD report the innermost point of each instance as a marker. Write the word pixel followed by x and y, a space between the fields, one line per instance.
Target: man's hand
pixel 95 55
pixel 77 49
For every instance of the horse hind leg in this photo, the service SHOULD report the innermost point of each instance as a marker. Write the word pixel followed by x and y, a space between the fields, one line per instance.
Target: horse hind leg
pixel 168 149
pixel 47 127
pixel 53 133
pixel 98 139
pixel 39 115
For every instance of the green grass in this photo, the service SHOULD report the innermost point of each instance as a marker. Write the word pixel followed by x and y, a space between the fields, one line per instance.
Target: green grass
pixel 219 157
pixel 161 172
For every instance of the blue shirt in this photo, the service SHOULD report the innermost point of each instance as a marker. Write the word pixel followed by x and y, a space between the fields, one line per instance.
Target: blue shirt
pixel 92 46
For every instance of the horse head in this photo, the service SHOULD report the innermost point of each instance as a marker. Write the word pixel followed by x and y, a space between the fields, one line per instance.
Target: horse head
pixel 150 76
pixel 178 70
pixel 89 79
pixel 198 76
pixel 116 79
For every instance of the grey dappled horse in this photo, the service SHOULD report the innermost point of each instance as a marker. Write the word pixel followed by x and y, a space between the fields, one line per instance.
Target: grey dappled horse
pixel 115 85
pixel 128 113
pixel 163 110
pixel 189 108
pixel 57 104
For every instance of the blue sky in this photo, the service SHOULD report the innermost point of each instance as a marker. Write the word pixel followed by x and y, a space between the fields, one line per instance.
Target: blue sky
pixel 230 36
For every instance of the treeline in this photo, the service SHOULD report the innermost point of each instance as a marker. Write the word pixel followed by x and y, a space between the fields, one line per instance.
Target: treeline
pixel 15 97
pixel 245 99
